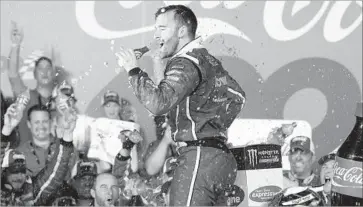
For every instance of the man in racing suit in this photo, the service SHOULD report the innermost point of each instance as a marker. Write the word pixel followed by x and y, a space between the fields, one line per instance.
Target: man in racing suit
pixel 201 99
pixel 18 189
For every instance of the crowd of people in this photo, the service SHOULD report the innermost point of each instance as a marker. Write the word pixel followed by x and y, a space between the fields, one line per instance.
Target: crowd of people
pixel 41 166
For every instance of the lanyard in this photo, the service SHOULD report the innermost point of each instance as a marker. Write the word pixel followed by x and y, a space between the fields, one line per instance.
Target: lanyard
pixel 49 155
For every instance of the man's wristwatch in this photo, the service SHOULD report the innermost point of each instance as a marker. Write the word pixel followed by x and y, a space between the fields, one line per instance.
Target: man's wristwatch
pixel 128 144
pixel 122 158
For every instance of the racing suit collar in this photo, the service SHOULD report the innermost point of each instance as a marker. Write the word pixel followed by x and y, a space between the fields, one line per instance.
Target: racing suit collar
pixel 305 181
pixel 196 43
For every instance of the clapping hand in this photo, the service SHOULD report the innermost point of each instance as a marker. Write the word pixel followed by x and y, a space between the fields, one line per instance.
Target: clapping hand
pixel 12 118
pixel 16 34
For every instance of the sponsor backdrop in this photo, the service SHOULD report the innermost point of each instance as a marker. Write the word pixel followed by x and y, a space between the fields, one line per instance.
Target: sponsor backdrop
pixel 256 131
pixel 260 165
pixel 296 60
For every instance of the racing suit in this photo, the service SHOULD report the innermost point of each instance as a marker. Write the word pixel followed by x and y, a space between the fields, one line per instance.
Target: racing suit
pixel 202 100
pixel 37 190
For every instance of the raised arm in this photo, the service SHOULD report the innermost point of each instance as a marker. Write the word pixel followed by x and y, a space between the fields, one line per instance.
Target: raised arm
pixel 16 82
pixel 51 177
pixel 181 78
pixel 122 165
pixel 11 121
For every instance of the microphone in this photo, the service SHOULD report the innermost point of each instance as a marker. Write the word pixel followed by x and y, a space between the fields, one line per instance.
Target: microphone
pixel 139 52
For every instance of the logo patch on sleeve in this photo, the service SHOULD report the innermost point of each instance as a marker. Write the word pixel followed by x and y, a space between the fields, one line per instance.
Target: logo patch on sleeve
pixel 177 66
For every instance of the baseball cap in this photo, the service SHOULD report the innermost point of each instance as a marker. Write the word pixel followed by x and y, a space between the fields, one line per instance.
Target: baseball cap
pixel 325 158
pixel 330 156
pixel 303 143
pixel 14 161
pixel 111 96
pixel 65 196
pixel 84 168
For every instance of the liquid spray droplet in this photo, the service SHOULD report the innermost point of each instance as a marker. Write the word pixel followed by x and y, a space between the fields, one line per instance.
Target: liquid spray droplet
pixel 74 81
pixel 117 70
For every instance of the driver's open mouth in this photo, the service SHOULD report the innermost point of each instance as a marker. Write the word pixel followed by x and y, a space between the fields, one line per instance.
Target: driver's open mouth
pixel 109 201
pixel 327 179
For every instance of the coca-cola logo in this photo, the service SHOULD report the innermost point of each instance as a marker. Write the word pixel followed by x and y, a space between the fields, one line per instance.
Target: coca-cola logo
pixel 297 73
pixel 273 20
pixel 352 176
pixel 347 178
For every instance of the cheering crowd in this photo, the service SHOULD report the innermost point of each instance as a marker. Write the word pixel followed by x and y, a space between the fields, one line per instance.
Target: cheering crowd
pixel 41 165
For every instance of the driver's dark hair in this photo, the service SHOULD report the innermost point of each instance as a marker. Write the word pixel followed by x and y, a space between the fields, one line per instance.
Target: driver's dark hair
pixel 41 59
pixel 38 107
pixel 183 15
pixel 37 62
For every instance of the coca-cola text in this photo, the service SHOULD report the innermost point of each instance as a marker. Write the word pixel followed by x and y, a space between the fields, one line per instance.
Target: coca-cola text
pixel 352 175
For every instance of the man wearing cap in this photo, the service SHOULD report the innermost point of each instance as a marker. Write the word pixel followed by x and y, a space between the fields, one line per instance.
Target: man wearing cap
pixel 121 109
pixel 117 108
pixel 19 189
pixel 326 175
pixel 301 157
pixel 83 175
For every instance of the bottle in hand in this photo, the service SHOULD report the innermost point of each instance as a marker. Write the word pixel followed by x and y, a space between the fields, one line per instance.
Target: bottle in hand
pixel 347 189
pixel 139 52
pixel 22 100
pixel 286 130
pixel 279 135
